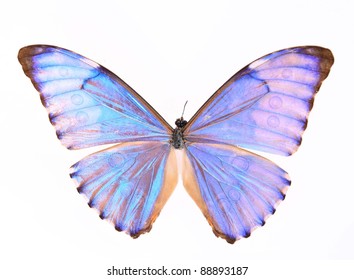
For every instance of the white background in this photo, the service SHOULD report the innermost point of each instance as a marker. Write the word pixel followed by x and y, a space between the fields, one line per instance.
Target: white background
pixel 171 52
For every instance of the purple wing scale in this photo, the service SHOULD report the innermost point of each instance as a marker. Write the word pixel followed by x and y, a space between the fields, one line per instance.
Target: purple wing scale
pixel 88 104
pixel 128 183
pixel 235 189
pixel 264 106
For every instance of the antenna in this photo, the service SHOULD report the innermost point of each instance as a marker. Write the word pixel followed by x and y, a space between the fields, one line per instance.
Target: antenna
pixel 184 107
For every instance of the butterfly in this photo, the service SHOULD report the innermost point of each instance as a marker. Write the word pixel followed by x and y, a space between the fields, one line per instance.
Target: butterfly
pixel 263 107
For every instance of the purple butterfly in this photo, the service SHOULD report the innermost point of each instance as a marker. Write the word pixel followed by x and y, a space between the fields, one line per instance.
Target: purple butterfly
pixel 264 107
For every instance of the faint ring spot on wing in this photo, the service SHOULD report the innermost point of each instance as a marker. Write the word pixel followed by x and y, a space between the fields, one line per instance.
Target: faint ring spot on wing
pixel 234 194
pixel 273 121
pixel 82 117
pixel 241 163
pixel 140 194
pixel 63 72
pixel 287 73
pixel 77 99
pixel 116 160
pixel 275 102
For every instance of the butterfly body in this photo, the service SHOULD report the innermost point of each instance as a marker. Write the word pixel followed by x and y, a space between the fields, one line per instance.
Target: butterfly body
pixel 178 141
pixel 264 107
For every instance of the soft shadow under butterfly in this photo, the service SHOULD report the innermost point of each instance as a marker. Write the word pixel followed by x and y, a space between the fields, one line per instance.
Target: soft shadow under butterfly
pixel 263 107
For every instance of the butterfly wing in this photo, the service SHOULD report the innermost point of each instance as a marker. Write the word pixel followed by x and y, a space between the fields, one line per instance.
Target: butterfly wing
pixel 128 183
pixel 235 189
pixel 264 106
pixel 88 104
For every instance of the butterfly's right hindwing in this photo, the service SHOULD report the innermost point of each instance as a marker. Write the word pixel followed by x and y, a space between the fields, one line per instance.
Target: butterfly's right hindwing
pixel 128 183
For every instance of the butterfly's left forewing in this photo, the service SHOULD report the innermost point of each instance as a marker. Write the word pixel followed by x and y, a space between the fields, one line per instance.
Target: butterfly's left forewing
pixel 265 106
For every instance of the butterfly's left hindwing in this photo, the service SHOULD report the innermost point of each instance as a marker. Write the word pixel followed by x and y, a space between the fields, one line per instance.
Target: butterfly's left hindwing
pixel 87 104
pixel 129 183
pixel 235 189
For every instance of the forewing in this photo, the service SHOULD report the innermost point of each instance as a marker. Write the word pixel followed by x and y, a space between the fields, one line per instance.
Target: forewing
pixel 129 183
pixel 88 104
pixel 264 106
pixel 235 189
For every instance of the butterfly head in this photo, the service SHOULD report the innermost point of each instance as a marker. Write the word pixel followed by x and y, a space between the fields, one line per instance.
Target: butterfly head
pixel 180 123
pixel 177 140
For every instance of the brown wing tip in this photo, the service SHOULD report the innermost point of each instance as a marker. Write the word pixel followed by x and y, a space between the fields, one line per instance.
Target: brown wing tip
pixel 230 240
pixel 326 57
pixel 319 52
pixel 32 50
pixel 24 56
pixel 142 231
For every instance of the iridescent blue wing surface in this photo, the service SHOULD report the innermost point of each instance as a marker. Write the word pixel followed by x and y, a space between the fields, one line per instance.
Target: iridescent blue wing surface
pixel 88 104
pixel 265 105
pixel 128 183
pixel 235 189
